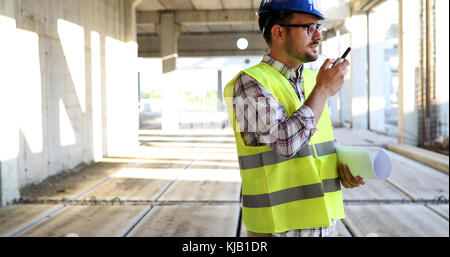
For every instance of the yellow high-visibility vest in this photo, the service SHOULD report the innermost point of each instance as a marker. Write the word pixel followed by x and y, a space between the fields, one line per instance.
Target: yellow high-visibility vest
pixel 281 194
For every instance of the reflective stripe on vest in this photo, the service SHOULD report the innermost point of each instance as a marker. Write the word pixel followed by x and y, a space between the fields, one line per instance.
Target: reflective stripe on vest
pixel 292 194
pixel 270 158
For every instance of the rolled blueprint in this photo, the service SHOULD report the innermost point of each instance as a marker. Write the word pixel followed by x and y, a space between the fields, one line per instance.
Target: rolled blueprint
pixel 366 162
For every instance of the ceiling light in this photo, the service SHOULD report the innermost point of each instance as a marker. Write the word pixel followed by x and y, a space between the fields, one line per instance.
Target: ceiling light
pixel 242 43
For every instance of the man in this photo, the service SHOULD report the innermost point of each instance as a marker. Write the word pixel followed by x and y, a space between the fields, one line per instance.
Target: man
pixel 284 138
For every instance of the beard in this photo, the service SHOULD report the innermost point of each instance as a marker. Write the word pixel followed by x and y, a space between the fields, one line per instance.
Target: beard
pixel 293 51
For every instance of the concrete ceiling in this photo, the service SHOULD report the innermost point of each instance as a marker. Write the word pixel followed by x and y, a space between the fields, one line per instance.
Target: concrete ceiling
pixel 147 6
pixel 160 5
pixel 199 19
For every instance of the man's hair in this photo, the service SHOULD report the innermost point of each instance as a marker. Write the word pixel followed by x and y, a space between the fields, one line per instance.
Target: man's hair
pixel 268 20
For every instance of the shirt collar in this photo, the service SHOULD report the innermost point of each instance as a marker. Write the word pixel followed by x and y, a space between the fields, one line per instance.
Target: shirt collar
pixel 288 72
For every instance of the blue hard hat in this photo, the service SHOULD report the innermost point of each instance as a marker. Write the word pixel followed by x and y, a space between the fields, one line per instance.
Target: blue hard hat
pixel 304 6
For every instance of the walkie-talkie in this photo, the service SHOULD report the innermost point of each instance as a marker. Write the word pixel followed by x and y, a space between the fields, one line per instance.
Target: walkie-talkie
pixel 341 59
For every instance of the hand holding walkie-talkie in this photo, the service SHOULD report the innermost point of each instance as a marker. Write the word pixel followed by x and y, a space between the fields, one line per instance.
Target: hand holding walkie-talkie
pixel 341 59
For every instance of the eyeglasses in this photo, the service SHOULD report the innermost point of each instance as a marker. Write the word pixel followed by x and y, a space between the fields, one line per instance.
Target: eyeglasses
pixel 312 27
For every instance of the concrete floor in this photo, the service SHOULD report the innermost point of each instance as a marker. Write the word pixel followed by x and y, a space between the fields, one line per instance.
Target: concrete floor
pixel 188 184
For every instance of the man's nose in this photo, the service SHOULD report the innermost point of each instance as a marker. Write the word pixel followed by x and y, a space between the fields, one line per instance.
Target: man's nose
pixel 317 36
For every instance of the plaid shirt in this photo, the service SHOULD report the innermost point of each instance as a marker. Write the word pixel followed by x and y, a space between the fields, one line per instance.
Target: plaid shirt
pixel 292 132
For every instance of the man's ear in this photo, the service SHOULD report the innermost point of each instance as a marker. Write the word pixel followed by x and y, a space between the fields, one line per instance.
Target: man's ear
pixel 278 34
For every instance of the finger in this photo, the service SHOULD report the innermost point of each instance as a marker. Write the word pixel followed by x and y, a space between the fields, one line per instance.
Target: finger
pixel 342 177
pixel 340 170
pixel 361 180
pixel 350 179
pixel 345 184
pixel 345 69
pixel 353 180
pixel 327 64
pixel 342 173
pixel 345 63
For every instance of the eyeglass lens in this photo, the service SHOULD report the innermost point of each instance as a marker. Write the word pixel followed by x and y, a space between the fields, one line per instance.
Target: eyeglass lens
pixel 313 28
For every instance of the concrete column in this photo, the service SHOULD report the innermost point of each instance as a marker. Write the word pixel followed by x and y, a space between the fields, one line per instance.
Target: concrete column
pixel 331 49
pixel 130 20
pixel 168 32
pixel 442 66
pixel 345 93
pixel 408 118
pixel 379 71
pixel 219 91
pixel 357 24
pixel 340 105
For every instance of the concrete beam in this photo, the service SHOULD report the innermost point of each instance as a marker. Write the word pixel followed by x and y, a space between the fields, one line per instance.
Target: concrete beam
pixel 198 44
pixel 216 16
pixel 147 17
pixel 201 16
pixel 359 6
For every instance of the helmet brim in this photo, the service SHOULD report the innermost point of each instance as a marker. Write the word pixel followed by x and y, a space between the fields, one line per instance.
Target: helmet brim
pixel 319 15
